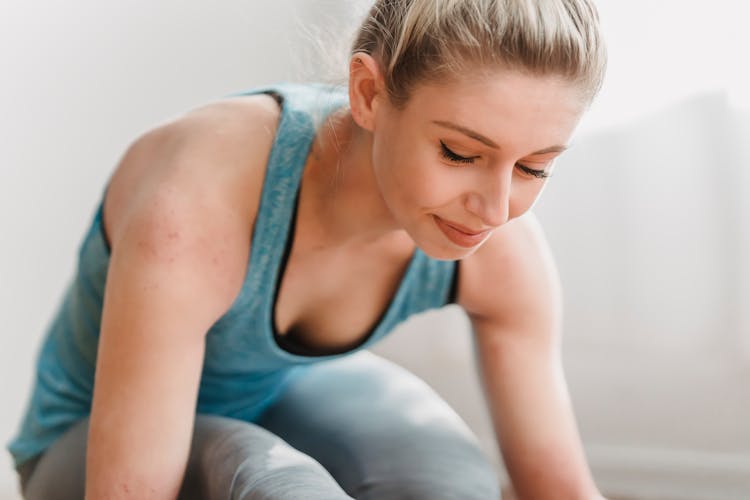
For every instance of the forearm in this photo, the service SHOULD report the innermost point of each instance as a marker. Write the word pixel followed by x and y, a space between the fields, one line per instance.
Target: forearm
pixel 539 476
pixel 142 415
pixel 534 422
pixel 116 482
pixel 131 461
pixel 549 467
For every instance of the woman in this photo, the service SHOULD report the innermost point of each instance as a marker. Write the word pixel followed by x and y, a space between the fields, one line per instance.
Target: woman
pixel 242 250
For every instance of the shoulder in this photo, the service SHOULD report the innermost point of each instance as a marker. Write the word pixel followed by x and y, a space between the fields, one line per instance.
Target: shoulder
pixel 227 133
pixel 203 145
pixel 512 279
pixel 217 151
pixel 191 186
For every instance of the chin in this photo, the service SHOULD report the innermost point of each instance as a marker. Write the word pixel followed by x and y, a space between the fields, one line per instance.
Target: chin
pixel 446 250
pixel 433 243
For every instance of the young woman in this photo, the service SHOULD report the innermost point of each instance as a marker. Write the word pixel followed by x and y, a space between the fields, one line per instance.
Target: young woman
pixel 242 254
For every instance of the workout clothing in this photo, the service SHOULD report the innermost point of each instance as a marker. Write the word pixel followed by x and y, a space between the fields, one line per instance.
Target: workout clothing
pixel 356 427
pixel 247 364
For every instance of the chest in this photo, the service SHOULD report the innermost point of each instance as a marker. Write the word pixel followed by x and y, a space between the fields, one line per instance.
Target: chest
pixel 331 300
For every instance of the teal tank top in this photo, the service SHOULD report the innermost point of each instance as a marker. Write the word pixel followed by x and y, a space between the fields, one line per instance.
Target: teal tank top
pixel 246 364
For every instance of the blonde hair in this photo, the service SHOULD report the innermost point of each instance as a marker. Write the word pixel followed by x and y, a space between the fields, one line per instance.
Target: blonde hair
pixel 421 41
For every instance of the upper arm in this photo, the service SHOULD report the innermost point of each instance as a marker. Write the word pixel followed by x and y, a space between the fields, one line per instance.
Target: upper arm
pixel 511 293
pixel 511 283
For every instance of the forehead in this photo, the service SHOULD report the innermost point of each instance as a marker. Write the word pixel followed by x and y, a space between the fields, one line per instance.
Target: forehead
pixel 504 106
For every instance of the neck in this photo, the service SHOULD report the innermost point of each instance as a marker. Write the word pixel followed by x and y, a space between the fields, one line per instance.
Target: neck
pixel 340 194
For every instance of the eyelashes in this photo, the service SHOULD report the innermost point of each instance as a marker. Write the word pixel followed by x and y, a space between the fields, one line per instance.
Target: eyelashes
pixel 446 153
pixel 539 174
pixel 450 155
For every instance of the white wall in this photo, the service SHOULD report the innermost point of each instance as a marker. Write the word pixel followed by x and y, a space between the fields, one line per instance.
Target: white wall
pixel 648 214
pixel 647 223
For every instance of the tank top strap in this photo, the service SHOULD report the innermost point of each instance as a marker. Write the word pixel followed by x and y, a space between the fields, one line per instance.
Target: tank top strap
pixel 426 283
pixel 304 107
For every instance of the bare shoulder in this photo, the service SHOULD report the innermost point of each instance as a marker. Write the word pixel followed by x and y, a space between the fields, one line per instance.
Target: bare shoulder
pixel 512 278
pixel 194 183
pixel 214 146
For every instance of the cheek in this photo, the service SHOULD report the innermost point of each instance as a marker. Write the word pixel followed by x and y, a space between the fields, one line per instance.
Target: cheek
pixel 388 163
pixel 405 172
pixel 409 173
pixel 422 183
pixel 525 198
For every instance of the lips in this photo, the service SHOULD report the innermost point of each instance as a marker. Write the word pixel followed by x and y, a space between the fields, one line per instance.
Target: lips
pixel 463 229
pixel 460 235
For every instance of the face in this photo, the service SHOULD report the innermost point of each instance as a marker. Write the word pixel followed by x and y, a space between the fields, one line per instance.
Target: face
pixel 462 159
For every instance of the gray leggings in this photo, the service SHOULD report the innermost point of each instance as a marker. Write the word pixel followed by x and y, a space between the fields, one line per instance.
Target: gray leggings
pixel 358 427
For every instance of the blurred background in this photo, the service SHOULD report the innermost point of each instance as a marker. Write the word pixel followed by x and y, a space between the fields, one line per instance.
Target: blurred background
pixel 648 214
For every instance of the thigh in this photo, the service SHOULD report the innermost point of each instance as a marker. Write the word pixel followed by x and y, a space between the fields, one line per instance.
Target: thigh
pixel 234 459
pixel 382 432
pixel 59 472
pixel 228 458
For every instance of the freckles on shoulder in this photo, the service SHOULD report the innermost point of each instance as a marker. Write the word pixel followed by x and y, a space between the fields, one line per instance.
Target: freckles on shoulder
pixel 513 270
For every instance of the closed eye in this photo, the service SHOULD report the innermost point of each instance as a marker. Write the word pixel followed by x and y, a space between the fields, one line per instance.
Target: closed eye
pixel 540 174
pixel 456 158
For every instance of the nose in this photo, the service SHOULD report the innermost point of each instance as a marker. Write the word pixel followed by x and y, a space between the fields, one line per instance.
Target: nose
pixel 490 201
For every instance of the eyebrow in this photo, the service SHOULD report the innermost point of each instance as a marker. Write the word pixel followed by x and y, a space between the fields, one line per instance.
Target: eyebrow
pixel 488 142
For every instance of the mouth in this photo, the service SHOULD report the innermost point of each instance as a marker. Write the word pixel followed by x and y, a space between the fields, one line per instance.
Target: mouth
pixel 460 235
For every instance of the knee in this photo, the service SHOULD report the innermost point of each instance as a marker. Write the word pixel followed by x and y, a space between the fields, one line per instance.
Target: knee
pixel 231 444
pixel 235 459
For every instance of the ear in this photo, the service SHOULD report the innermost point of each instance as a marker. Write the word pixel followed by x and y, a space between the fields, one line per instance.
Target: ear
pixel 366 88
